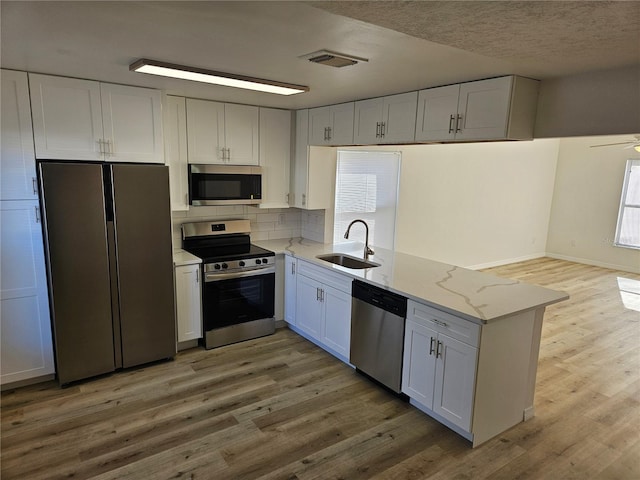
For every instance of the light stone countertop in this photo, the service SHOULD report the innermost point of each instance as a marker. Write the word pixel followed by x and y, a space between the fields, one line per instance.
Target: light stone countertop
pixel 476 296
pixel 182 257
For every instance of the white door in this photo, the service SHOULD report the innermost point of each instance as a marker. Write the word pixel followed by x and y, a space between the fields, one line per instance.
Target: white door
pixel 241 134
pixel 25 333
pixel 132 122
pixel 399 118
pixel 188 304
pixel 175 147
pixel 341 124
pixel 275 157
pixel 319 123
pixel 67 118
pixel 290 291
pixel 205 131
pixel 484 109
pixel 367 121
pixel 418 369
pixel 18 163
pixel 455 381
pixel 308 307
pixel 301 161
pixel 337 320
pixel 436 116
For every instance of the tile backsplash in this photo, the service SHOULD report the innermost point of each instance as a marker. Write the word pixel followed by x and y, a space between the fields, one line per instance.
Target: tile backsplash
pixel 266 224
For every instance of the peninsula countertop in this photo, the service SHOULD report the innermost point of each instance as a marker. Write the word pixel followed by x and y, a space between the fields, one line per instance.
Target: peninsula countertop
pixel 477 296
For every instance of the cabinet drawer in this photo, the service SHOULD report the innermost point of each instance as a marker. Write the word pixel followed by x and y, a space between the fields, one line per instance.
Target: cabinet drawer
pixel 458 328
pixel 326 276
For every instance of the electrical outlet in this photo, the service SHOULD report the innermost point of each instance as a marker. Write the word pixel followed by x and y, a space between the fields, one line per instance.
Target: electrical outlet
pixel 282 219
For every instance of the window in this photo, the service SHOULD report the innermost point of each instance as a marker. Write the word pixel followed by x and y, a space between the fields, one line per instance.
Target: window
pixel 367 189
pixel 628 228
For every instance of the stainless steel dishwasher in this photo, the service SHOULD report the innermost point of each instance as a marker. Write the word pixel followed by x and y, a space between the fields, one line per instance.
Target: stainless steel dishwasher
pixel 377 333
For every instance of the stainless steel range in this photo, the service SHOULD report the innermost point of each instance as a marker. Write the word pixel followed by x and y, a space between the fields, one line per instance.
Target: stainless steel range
pixel 238 292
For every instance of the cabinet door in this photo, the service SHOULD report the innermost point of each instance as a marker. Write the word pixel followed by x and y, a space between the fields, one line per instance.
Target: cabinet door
pixel 308 307
pixel 290 292
pixel 188 304
pixel 336 333
pixel 341 124
pixel 26 342
pixel 455 381
pixel 436 116
pixel 241 134
pixel 319 123
pixel 132 122
pixel 301 161
pixel 322 179
pixel 399 118
pixel 275 157
pixel 67 118
pixel 367 121
pixel 175 138
pixel 484 109
pixel 205 131
pixel 418 369
pixel 18 164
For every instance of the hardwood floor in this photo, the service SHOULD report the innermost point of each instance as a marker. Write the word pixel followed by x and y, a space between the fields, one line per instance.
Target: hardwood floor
pixel 281 408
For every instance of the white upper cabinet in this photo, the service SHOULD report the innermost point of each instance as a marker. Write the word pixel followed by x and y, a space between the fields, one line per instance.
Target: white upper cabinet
pixel 389 119
pixel 17 156
pixel 275 157
pixel 332 125
pixel 77 119
pixel 493 109
pixel 222 133
pixel 175 141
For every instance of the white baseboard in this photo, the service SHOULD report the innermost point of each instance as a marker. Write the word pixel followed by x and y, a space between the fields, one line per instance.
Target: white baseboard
pixel 507 261
pixel 595 263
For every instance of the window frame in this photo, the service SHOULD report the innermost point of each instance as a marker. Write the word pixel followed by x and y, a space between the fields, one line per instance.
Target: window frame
pixel 624 205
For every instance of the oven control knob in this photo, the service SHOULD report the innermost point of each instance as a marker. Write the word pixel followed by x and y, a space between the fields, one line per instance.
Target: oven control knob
pixel 258 261
pixel 224 265
pixel 241 263
pixel 264 260
pixel 217 266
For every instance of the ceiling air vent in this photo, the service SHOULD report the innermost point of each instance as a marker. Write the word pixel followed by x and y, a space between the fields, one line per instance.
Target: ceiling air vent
pixel 333 59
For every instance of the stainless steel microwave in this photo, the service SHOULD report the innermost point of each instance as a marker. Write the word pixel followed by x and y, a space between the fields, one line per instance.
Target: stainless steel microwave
pixel 225 184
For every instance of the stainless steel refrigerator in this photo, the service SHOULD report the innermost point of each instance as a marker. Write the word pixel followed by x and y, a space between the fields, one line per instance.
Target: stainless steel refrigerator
pixel 109 263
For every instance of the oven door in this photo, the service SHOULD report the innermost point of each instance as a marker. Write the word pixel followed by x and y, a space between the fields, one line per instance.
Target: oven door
pixel 235 298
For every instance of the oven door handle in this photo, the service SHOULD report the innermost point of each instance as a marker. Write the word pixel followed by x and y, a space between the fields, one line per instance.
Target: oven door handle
pixel 214 277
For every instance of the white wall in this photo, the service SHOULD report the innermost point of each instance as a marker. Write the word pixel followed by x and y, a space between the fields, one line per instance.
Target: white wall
pixel 585 203
pixel 476 205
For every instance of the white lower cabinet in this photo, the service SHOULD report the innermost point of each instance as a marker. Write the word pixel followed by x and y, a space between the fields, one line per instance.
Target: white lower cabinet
pixel 26 342
pixel 323 308
pixel 439 370
pixel 188 303
pixel 290 289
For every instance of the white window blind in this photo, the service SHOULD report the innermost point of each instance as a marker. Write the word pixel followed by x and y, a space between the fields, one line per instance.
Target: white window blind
pixel 628 228
pixel 367 189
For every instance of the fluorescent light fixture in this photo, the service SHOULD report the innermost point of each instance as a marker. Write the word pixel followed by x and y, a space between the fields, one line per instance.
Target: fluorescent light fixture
pixel 163 69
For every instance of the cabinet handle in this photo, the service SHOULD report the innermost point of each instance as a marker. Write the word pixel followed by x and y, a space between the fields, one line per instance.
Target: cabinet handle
pixel 329 133
pixel 109 149
pixel 438 352
pixel 198 275
pixel 317 294
pixel 451 120
pixel 100 146
pixel 322 295
pixel 440 322
pixel 431 349
pixel 37 214
pixel 34 184
pixel 228 154
pixel 224 153
pixel 458 123
pixel 293 268
pixel 304 199
pixel 377 129
pixel 383 129
pixel 287 199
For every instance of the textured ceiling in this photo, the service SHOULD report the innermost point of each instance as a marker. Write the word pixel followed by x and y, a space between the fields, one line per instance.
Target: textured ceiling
pixel 563 37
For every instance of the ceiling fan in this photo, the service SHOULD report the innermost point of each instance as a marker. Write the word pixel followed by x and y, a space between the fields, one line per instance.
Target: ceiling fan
pixel 635 144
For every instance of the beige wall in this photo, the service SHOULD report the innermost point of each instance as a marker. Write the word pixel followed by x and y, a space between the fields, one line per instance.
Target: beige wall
pixel 596 103
pixel 585 203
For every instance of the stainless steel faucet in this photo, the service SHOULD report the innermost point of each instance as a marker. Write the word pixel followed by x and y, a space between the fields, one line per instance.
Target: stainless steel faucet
pixel 367 250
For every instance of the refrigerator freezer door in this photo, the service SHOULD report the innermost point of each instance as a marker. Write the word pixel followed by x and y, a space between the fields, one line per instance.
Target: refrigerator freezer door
pixel 80 297
pixel 142 214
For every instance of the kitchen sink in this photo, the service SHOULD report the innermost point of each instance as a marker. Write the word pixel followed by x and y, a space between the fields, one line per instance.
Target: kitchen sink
pixel 347 261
